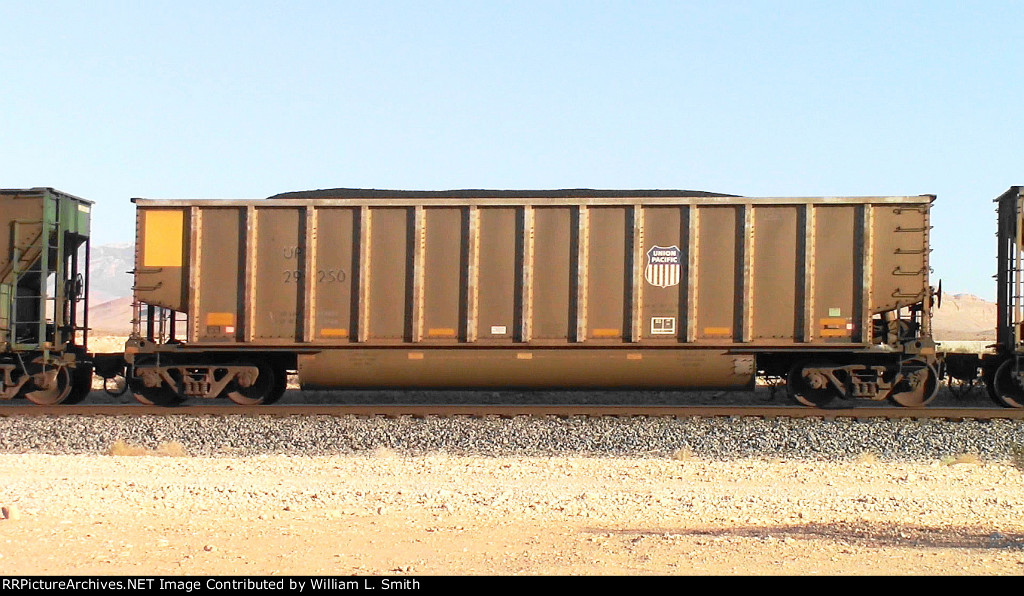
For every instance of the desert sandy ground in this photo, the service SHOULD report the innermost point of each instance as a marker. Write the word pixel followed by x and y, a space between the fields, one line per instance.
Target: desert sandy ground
pixel 390 514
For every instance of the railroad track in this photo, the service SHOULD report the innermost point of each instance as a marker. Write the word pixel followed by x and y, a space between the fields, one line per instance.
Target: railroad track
pixel 509 411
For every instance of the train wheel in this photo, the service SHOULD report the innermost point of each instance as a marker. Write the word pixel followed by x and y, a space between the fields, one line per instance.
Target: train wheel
pixel 988 376
pixel 163 395
pixel 267 389
pixel 156 396
pixel 50 386
pixel 115 386
pixel 919 385
pixel 813 390
pixel 1007 385
pixel 81 384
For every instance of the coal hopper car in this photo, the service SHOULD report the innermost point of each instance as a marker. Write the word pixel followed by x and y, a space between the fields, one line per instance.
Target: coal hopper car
pixel 354 288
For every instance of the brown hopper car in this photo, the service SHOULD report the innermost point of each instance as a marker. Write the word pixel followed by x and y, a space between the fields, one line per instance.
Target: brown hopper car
pixel 518 289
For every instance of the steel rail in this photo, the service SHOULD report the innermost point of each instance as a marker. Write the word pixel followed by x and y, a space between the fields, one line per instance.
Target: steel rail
pixel 510 411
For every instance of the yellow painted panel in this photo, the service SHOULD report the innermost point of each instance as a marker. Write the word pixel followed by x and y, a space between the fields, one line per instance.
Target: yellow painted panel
pixel 441 332
pixel 606 333
pixel 326 332
pixel 163 238
pixel 834 321
pixel 835 333
pixel 220 318
pixel 717 331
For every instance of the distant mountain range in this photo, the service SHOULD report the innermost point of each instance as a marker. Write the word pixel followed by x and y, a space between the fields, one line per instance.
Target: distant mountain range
pixel 110 266
pixel 963 317
pixel 110 288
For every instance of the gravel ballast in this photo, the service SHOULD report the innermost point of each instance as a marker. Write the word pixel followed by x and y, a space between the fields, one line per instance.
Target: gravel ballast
pixel 735 437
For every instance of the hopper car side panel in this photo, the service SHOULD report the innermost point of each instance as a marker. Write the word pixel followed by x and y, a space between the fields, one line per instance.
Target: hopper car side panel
pixel 770 272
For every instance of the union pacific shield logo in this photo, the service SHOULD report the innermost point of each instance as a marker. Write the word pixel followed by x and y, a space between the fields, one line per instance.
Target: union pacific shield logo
pixel 663 266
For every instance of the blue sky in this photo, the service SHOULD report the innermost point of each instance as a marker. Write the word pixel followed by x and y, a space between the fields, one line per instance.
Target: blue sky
pixel 113 100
